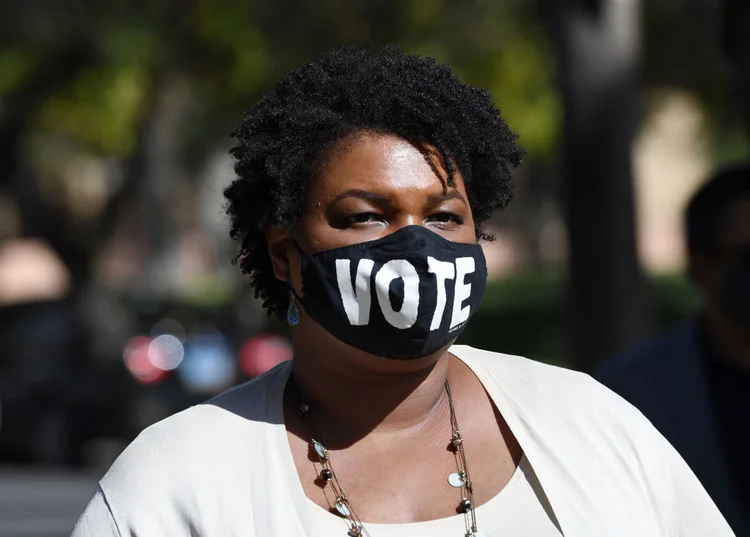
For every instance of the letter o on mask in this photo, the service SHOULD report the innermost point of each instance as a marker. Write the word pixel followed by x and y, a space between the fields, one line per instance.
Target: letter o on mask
pixel 392 270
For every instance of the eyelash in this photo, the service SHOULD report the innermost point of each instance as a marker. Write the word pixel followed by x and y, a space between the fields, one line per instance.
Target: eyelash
pixel 363 218
pixel 452 217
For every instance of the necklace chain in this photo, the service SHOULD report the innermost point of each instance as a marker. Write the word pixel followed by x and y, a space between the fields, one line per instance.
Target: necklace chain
pixel 328 479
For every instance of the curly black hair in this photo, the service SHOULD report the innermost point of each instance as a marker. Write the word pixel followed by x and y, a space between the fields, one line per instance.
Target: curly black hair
pixel 287 136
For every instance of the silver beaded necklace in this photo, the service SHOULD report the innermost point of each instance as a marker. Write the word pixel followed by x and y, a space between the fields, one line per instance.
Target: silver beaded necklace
pixel 459 479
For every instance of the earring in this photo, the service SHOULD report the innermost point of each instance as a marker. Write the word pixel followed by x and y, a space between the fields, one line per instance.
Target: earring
pixel 292 313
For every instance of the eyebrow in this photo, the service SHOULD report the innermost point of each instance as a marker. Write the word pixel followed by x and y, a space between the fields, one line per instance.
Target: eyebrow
pixel 376 199
pixel 448 195
pixel 379 199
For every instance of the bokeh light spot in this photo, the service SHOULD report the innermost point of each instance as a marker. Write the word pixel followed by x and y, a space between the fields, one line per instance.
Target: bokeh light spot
pixel 138 363
pixel 166 352
pixel 260 353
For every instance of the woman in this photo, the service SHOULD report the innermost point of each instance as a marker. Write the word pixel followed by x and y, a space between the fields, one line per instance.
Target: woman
pixel 363 182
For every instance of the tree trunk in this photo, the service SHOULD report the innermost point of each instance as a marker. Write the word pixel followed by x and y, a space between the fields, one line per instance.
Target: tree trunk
pixel 161 175
pixel 597 44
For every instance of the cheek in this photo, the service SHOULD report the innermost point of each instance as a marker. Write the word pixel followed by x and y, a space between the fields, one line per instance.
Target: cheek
pixel 468 235
pixel 470 229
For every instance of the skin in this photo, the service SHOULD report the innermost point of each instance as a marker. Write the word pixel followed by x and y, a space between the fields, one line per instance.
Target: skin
pixel 386 423
pixel 731 335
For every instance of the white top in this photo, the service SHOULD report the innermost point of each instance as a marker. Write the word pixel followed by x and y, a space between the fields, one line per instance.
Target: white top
pixel 224 468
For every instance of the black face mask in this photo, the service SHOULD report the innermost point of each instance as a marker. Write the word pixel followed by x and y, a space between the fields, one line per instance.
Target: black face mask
pixel 404 296
pixel 735 292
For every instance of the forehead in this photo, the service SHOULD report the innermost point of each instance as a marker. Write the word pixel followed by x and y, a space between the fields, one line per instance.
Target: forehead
pixel 737 223
pixel 384 164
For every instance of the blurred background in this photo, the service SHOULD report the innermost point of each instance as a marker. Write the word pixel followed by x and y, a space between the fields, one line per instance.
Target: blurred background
pixel 119 302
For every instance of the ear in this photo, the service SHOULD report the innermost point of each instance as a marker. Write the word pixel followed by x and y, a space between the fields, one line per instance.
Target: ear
pixel 278 245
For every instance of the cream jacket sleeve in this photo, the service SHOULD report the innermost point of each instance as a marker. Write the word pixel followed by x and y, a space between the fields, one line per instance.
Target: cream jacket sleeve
pixel 694 512
pixel 97 520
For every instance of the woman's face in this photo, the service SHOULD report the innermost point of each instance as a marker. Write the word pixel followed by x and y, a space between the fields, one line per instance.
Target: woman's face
pixel 371 186
pixel 375 185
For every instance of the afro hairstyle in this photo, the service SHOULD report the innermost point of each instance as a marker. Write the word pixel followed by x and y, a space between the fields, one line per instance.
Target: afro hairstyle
pixel 285 138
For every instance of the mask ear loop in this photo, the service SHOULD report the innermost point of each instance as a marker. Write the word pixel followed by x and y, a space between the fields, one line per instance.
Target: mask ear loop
pixel 292 313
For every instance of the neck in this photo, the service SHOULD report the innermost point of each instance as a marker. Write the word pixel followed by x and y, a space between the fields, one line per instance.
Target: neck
pixel 352 394
pixel 732 337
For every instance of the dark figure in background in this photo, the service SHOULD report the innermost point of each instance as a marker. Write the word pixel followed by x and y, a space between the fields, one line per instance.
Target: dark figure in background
pixel 694 383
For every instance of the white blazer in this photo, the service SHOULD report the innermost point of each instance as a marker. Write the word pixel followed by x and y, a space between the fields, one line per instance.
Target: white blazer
pixel 224 468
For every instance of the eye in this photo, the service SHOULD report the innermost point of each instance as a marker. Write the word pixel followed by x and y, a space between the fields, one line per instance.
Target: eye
pixel 445 219
pixel 363 219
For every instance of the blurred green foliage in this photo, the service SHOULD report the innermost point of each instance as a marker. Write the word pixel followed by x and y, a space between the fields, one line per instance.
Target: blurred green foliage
pixel 230 52
pixel 16 63
pixel 101 110
pixel 525 314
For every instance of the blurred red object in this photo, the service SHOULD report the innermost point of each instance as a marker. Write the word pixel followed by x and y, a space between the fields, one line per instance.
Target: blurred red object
pixel 139 363
pixel 258 354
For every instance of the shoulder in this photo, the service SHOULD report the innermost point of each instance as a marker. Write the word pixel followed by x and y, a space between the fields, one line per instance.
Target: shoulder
pixel 575 426
pixel 520 374
pixel 215 422
pixel 545 395
pixel 217 444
